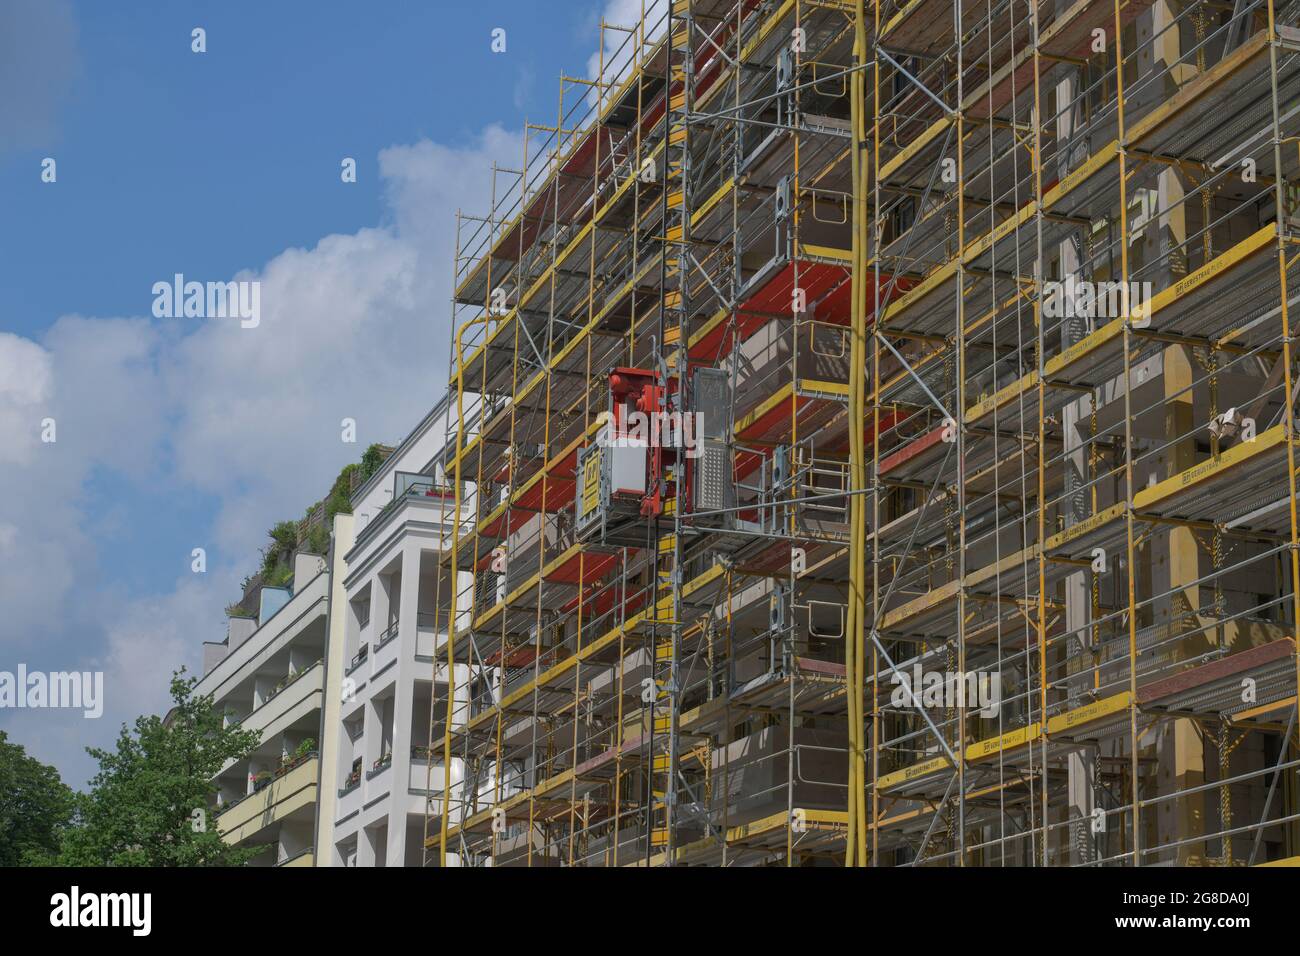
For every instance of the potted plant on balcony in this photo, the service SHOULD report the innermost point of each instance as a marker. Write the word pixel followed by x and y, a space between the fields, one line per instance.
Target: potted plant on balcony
pixel 261 779
pixel 279 686
pixel 290 760
pixel 354 778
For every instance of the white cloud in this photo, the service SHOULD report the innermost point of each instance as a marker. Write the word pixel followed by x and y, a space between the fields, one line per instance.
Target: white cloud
pixel 106 395
pixel 158 635
pixel 620 46
pixel 356 326
pixel 24 393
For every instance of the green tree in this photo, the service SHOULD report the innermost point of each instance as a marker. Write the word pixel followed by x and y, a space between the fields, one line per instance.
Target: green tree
pixel 150 803
pixel 35 807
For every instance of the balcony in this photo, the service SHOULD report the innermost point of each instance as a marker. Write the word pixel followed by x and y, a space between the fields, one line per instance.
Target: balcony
pixel 291 792
pixel 297 698
pixel 359 658
pixel 380 651
pixel 438 500
pixel 351 783
pixel 305 858
pixel 384 649
pixel 419 779
pixel 382 764
pixel 430 633
pixel 386 636
pixel 289 679
pixel 305 609
pixel 351 795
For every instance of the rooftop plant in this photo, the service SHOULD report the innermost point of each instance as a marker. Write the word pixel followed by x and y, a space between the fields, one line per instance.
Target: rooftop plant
pixel 312 533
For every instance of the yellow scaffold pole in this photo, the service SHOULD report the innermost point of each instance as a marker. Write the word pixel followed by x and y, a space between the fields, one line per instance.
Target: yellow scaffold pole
pixel 455 587
pixel 855 849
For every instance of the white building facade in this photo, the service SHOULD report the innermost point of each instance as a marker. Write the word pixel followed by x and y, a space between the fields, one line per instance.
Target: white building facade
pixel 387 623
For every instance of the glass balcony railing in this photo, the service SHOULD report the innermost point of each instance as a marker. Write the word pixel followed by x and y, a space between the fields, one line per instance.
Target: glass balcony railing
pixel 407 487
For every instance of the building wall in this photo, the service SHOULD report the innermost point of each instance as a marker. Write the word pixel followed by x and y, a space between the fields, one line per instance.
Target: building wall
pixel 334 661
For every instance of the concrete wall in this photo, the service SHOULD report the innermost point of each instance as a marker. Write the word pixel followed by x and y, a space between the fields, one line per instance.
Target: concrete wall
pixel 334 664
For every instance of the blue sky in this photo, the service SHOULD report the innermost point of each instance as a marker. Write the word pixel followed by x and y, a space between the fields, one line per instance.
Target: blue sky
pixel 175 434
pixel 247 137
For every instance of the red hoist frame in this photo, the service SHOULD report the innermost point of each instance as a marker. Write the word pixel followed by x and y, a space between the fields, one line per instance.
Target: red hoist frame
pixel 638 389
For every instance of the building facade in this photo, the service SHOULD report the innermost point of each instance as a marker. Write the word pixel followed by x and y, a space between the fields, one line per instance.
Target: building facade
pixel 336 673
pixel 389 627
pixel 966 333
pixel 268 675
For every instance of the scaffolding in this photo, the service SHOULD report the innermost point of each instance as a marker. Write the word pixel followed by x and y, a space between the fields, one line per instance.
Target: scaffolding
pixel 984 548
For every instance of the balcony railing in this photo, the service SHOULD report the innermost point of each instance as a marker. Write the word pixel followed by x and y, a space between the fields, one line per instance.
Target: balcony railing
pixel 289 679
pixel 288 790
pixel 359 658
pixel 382 764
pixel 387 636
pixel 420 489
pixel 427 489
pixel 276 692
pixel 351 783
pixel 305 857
pixel 269 778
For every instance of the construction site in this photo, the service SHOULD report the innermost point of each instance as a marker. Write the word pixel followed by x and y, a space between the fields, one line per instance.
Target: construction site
pixel 871 442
